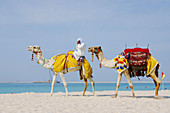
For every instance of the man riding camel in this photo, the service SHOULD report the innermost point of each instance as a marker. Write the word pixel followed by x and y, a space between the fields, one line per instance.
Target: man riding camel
pixel 79 54
pixel 81 48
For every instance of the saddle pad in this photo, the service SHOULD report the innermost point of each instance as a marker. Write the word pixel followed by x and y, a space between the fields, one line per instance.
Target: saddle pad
pixel 138 58
pixel 66 61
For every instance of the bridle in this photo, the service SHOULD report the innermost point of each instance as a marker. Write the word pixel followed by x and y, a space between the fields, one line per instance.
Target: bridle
pixel 35 51
pixel 97 51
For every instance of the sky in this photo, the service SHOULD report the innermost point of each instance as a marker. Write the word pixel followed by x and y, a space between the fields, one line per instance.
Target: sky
pixel 55 25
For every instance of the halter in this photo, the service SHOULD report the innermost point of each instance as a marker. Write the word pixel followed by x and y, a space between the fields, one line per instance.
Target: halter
pixel 32 59
pixel 97 51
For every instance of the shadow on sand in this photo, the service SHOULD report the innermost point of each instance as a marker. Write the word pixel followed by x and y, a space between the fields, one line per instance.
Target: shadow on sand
pixel 152 97
pixel 159 97
pixel 124 96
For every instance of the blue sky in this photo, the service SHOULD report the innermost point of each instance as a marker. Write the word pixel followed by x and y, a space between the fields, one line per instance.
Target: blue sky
pixel 56 24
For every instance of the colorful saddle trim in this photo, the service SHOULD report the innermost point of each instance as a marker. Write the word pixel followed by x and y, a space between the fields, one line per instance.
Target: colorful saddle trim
pixel 121 63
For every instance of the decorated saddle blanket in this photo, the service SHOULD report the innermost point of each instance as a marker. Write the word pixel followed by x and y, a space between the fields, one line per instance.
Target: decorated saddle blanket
pixel 137 56
pixel 121 63
pixel 139 60
pixel 67 61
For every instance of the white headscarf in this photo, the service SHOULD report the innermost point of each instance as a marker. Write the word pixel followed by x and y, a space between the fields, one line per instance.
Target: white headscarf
pixel 81 40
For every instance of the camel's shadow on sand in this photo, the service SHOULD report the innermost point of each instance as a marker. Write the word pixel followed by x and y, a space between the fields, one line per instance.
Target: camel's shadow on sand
pixel 125 96
pixel 159 97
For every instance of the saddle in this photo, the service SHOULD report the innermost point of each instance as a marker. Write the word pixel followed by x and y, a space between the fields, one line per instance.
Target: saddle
pixel 67 61
pixel 137 59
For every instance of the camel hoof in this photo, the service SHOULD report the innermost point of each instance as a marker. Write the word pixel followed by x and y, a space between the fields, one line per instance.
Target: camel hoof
pixel 114 96
pixel 156 97
pixel 95 94
pixel 67 95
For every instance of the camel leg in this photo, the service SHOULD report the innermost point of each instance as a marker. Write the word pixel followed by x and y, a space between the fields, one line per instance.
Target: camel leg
pixel 86 85
pixel 157 83
pixel 64 82
pixel 53 83
pixel 130 82
pixel 92 83
pixel 118 84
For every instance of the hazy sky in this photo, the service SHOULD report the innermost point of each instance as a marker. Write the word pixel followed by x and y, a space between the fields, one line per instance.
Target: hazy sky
pixel 55 25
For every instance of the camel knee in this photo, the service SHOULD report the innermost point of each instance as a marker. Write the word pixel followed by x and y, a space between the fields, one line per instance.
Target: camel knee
pixel 86 84
pixel 159 82
pixel 118 86
pixel 131 86
pixel 65 84
pixel 93 83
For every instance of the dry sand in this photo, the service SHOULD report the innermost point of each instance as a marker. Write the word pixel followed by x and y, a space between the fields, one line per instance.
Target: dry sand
pixel 75 103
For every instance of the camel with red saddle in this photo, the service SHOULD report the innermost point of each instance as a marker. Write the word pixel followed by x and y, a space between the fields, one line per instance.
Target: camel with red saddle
pixel 62 64
pixel 128 68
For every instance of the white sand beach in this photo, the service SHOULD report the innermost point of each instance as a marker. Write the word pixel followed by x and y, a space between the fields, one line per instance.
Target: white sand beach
pixel 75 103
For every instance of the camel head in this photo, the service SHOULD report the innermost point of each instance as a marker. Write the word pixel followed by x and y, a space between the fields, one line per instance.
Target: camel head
pixel 34 49
pixel 95 50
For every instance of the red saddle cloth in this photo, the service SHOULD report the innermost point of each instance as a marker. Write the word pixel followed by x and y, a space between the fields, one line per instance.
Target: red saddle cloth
pixel 137 56
pixel 146 50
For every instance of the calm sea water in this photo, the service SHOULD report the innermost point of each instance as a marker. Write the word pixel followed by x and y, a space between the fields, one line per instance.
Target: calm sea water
pixel 6 88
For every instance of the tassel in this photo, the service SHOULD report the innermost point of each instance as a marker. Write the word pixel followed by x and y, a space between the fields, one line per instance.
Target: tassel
pixel 38 62
pixel 32 57
pixel 100 65
pixel 92 57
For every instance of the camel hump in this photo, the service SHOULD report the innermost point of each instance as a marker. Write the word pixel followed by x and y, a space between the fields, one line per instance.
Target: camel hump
pixel 64 61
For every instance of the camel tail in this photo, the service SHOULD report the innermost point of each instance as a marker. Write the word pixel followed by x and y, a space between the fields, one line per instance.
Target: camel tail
pixel 156 71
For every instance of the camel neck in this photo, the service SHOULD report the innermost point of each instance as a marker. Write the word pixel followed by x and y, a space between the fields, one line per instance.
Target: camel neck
pixel 40 57
pixel 104 61
pixel 43 61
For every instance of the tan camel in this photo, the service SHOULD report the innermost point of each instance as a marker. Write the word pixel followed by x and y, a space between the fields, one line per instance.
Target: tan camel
pixel 49 65
pixel 111 64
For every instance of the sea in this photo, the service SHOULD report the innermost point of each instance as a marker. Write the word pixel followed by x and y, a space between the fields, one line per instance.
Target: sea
pixel 15 88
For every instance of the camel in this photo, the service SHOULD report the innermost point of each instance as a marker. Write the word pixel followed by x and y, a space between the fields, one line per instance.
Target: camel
pixel 48 64
pixel 111 64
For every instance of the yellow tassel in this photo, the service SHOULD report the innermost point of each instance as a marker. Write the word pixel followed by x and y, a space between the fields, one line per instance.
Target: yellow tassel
pixel 38 62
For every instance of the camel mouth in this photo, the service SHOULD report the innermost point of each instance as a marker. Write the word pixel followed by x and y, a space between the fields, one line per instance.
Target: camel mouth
pixel 29 48
pixel 33 48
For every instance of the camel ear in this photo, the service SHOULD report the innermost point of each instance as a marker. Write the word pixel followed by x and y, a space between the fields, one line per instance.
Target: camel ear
pixel 100 47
